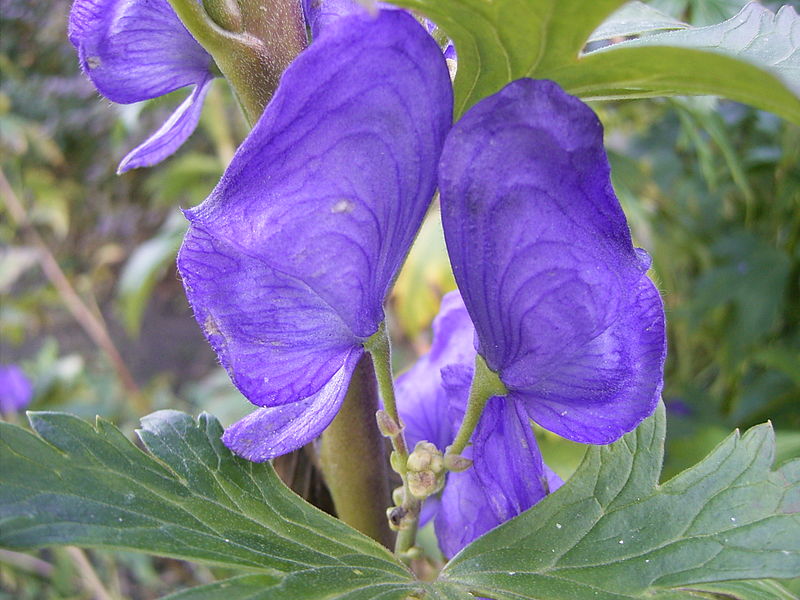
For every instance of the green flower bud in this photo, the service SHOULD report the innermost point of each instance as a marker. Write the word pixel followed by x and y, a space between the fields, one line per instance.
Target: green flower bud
pixel 387 425
pixel 397 495
pixel 396 461
pixel 456 462
pixel 426 473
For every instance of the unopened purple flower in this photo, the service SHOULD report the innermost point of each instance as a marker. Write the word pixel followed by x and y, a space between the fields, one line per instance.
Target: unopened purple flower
pixel 508 475
pixel 16 391
pixel 542 254
pixel 135 50
pixel 288 261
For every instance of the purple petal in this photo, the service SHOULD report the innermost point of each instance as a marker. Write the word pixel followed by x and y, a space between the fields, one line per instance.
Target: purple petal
pixel 553 480
pixel 430 508
pixel 171 135
pixel 322 13
pixel 507 478
pixel 279 341
pixel 465 512
pixel 16 390
pixel 605 390
pixel 134 50
pixel 287 263
pixel 507 459
pixel 543 257
pixel 270 432
pixel 421 399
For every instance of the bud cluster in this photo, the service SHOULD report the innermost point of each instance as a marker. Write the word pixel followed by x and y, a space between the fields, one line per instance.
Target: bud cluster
pixel 425 470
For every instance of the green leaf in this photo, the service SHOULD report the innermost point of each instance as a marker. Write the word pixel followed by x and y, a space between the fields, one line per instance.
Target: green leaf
pixel 244 587
pixel 191 499
pixel 503 40
pixel 751 58
pixel 634 18
pixel 736 590
pixel 611 532
pixel 328 583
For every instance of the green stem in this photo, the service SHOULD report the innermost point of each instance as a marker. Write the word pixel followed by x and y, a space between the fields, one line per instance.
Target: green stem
pixel 353 458
pixel 379 346
pixel 485 384
pixel 253 59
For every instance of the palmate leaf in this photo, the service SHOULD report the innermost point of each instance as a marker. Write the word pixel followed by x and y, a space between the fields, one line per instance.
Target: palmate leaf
pixel 192 499
pixel 635 18
pixel 611 532
pixel 730 590
pixel 754 57
pixel 750 58
pixel 499 41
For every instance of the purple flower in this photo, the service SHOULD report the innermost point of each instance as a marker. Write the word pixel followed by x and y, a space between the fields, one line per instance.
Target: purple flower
pixel 16 391
pixel 320 14
pixel 542 254
pixel 288 261
pixel 508 475
pixel 135 50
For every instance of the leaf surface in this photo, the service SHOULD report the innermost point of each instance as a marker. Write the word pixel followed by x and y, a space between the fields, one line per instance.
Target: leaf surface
pixel 611 532
pixel 191 498
pixel 753 57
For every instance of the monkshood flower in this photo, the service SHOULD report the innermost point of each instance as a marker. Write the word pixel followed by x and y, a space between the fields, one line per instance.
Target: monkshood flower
pixel 134 50
pixel 564 312
pixel 288 261
pixel 16 391
pixel 321 13
pixel 508 475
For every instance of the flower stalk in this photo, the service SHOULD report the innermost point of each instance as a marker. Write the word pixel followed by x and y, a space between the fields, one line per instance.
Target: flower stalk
pixel 405 517
pixel 353 458
pixel 485 384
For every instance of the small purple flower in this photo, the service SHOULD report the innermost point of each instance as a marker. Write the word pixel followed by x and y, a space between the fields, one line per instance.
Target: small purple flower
pixel 542 254
pixel 16 391
pixel 135 50
pixel 508 475
pixel 288 261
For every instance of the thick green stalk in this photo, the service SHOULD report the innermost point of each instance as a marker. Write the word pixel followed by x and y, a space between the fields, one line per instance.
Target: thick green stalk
pixel 353 458
pixel 252 42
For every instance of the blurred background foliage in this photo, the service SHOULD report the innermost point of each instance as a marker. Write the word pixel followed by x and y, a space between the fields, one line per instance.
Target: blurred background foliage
pixel 711 189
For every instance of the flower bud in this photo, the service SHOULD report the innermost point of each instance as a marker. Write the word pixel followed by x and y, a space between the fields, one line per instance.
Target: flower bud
pixel 396 461
pixel 456 462
pixel 399 518
pixel 397 495
pixel 387 425
pixel 425 456
pixel 426 471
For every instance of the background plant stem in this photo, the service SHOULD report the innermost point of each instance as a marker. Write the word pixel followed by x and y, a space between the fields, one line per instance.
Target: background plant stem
pixel 91 322
pixel 353 458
